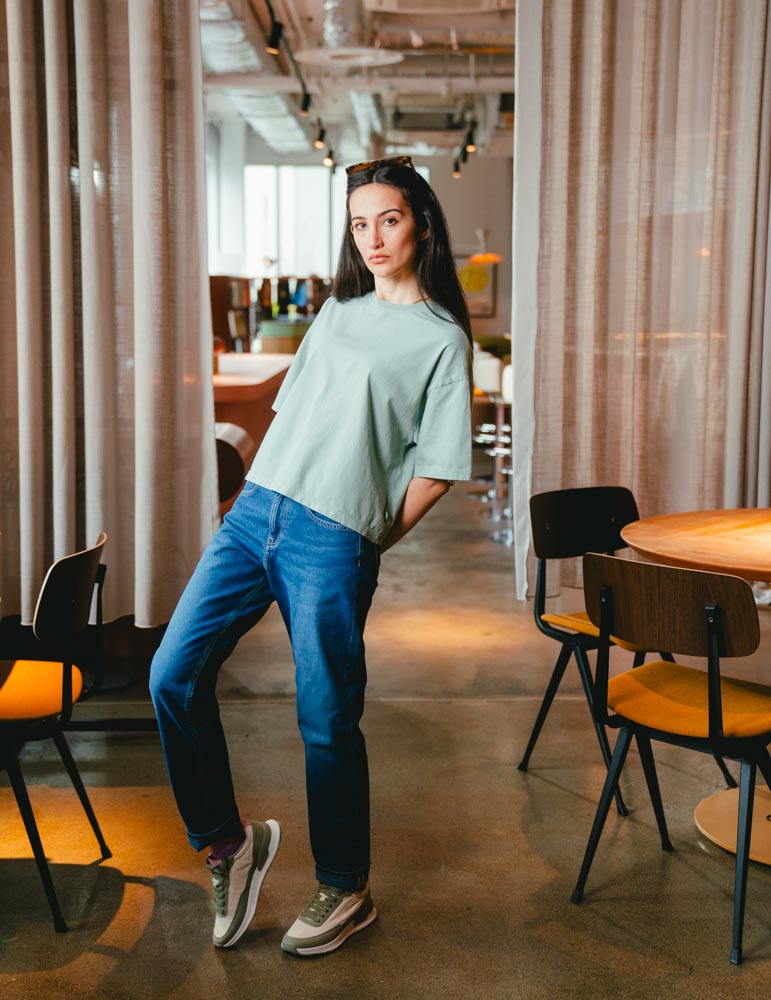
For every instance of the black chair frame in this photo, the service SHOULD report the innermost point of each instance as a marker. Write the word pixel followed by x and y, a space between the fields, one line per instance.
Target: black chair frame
pixel 751 754
pixel 58 621
pixel 567 524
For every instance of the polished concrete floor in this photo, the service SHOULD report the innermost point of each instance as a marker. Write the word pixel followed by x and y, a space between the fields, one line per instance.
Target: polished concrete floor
pixel 473 861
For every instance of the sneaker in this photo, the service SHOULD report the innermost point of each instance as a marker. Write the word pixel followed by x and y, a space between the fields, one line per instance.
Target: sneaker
pixel 328 920
pixel 237 881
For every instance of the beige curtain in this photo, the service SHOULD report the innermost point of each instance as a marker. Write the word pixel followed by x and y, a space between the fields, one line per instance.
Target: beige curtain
pixel 648 344
pixel 107 418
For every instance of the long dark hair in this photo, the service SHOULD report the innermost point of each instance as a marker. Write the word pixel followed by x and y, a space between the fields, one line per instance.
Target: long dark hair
pixel 436 273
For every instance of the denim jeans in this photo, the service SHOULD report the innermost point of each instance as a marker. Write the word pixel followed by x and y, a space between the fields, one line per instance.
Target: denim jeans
pixel 322 576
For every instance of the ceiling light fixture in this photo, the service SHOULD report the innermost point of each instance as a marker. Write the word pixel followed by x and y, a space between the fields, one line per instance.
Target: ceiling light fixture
pixel 471 146
pixel 305 107
pixel 456 170
pixel 320 140
pixel 274 39
pixel 329 159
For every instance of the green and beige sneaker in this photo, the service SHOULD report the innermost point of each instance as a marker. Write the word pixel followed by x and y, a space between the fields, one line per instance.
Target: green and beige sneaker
pixel 328 920
pixel 237 881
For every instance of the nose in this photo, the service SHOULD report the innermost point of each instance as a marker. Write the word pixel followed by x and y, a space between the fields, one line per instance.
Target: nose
pixel 374 239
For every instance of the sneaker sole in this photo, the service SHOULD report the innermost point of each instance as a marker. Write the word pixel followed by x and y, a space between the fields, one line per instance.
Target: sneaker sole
pixel 342 937
pixel 254 888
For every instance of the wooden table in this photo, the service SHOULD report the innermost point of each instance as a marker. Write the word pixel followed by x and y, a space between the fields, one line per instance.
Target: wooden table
pixel 245 387
pixel 736 542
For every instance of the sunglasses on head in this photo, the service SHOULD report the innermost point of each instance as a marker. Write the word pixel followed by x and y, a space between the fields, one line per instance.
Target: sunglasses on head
pixel 392 161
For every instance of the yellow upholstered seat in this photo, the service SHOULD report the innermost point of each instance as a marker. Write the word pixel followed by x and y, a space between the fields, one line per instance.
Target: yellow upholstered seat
pixel 32 689
pixel 674 699
pixel 578 621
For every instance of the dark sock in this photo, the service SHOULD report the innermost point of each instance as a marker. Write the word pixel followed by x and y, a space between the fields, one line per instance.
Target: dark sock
pixel 226 847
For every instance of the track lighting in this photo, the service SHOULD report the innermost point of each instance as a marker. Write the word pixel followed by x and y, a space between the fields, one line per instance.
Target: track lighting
pixel 274 40
pixel 320 140
pixel 305 107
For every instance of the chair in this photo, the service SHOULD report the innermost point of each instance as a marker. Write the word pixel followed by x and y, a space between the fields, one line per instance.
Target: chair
pixel 36 696
pixel 694 614
pixel 565 524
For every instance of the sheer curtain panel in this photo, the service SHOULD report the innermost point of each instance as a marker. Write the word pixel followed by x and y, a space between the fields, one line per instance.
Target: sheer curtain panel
pixel 649 346
pixel 107 419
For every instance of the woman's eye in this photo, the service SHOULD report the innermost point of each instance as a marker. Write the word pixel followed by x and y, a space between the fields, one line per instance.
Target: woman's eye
pixel 390 220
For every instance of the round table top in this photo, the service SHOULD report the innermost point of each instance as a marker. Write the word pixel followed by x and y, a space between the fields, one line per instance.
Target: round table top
pixel 720 541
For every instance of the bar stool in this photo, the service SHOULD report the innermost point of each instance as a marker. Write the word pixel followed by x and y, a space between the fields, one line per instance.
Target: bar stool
pixel 487 369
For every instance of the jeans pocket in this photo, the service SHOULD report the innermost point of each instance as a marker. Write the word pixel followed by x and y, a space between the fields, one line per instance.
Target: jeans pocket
pixel 324 521
pixel 248 489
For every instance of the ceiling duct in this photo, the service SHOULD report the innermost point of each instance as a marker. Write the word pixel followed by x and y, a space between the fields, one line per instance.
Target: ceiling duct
pixel 437 6
pixel 346 40
pixel 231 42
pixel 370 122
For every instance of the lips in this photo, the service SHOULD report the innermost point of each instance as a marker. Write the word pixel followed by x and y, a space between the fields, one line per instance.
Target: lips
pixel 377 259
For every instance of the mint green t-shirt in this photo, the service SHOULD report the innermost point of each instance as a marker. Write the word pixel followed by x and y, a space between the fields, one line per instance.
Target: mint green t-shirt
pixel 377 393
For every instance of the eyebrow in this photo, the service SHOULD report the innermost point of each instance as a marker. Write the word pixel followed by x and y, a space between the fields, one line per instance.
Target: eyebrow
pixel 388 211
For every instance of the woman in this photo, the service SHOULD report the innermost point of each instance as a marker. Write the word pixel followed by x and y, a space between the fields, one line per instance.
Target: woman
pixel 372 425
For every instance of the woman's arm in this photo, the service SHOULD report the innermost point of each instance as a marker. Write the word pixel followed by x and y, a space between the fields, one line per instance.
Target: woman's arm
pixel 420 497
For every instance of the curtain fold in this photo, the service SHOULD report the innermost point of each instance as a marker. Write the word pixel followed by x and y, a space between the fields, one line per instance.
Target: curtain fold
pixel 650 364
pixel 108 420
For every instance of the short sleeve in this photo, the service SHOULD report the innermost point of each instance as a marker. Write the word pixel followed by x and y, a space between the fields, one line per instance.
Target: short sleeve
pixel 299 362
pixel 444 435
pixel 294 370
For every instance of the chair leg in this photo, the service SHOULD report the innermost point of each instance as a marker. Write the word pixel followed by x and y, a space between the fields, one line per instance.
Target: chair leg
pixel 77 782
pixel 652 780
pixel 608 790
pixel 602 737
pixel 25 808
pixel 743 834
pixel 639 658
pixel 548 698
pixel 729 778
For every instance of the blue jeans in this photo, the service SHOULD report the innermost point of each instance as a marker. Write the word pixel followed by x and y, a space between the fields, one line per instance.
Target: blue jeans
pixel 322 576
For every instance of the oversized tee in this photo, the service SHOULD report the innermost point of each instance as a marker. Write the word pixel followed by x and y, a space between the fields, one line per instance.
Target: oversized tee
pixel 377 393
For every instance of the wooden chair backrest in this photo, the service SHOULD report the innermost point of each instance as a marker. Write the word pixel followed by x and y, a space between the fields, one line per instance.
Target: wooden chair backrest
pixel 661 607
pixel 64 602
pixel 568 523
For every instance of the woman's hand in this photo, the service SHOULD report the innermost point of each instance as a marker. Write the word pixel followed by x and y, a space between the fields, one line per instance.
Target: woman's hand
pixel 420 497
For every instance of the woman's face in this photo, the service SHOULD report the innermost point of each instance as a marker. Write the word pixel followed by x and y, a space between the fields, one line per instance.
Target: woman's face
pixel 384 231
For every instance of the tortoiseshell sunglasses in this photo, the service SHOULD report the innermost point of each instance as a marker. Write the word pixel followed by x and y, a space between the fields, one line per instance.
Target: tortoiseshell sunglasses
pixel 395 161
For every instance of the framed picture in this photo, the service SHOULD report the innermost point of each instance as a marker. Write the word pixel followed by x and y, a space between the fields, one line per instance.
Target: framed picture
pixel 478 282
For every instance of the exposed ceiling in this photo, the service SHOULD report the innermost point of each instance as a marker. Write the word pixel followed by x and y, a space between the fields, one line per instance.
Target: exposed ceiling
pixel 384 76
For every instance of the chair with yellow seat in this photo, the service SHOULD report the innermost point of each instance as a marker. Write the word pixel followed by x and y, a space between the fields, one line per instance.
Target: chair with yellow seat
pixel 36 696
pixel 691 613
pixel 566 524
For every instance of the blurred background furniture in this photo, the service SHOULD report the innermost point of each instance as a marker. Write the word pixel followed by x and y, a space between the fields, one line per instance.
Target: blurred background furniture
pixel 36 696
pixel 235 451
pixel 245 386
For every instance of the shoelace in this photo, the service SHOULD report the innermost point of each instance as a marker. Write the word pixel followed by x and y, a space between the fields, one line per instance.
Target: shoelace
pixel 220 878
pixel 324 901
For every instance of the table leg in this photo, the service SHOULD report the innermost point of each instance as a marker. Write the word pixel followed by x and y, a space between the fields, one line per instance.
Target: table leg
pixel 716 818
